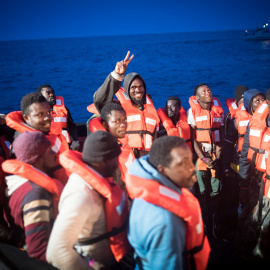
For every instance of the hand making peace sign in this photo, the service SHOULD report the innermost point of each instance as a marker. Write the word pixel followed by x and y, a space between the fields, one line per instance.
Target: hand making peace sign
pixel 121 67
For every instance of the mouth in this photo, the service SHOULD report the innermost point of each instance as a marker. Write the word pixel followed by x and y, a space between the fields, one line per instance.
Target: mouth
pixel 138 95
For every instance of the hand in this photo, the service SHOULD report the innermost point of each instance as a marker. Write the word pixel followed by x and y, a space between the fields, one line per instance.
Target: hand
pixel 121 67
pixel 208 162
pixel 75 145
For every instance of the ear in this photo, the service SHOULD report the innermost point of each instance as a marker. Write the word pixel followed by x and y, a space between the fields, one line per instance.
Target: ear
pixel 105 125
pixel 162 169
pixel 197 97
pixel 26 118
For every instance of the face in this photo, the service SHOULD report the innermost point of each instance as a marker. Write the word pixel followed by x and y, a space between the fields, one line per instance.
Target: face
pixel 181 171
pixel 256 101
pixel 172 108
pixel 49 159
pixel 116 124
pixel 39 117
pixel 204 94
pixel 49 94
pixel 136 90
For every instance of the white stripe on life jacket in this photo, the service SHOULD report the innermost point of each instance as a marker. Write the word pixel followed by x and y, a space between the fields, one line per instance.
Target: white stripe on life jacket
pixel 132 118
pixel 254 132
pixel 121 206
pixel 60 119
pixel 129 161
pixel 263 164
pixel 169 193
pixel 150 121
pixel 58 102
pixel 147 101
pixel 148 141
pixel 126 96
pixel 217 119
pixel 215 103
pixel 234 105
pixel 56 146
pixel 266 138
pixel 243 123
pixel 201 118
pixel 262 108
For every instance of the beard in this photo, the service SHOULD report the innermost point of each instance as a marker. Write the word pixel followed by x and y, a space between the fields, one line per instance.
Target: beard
pixel 51 102
pixel 138 102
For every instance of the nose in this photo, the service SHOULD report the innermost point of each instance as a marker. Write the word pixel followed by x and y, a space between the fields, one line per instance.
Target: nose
pixel 48 116
pixel 123 124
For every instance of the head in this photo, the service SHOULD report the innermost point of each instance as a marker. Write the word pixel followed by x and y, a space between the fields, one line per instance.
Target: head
pixel 114 119
pixel 203 93
pixel 47 91
pixel 239 93
pixel 252 100
pixel 36 112
pixel 101 151
pixel 171 156
pixel 135 87
pixel 173 106
pixel 35 149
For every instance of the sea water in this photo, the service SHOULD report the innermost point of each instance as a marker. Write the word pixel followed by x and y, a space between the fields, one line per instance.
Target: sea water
pixel 171 64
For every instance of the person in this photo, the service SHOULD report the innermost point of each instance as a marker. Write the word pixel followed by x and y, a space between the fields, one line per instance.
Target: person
pixel 113 120
pixel 235 122
pixel 60 115
pixel 33 193
pixel 252 166
pixel 35 116
pixel 165 223
pixel 173 120
pixel 142 117
pixel 205 118
pixel 91 205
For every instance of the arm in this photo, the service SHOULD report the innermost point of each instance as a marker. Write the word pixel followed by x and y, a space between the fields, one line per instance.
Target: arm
pixel 111 85
pixel 37 218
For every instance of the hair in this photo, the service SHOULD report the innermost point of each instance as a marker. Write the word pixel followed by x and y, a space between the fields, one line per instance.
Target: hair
pixel 160 152
pixel 108 108
pixel 175 98
pixel 39 89
pixel 29 99
pixel 196 88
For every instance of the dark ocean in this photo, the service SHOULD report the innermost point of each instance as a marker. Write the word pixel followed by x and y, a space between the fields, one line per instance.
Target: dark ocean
pixel 171 64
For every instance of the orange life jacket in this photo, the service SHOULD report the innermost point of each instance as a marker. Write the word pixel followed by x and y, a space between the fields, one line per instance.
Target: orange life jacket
pixel 92 109
pixel 185 206
pixel 126 157
pixel 55 187
pixel 181 129
pixel 259 137
pixel 242 119
pixel 58 141
pixel 207 123
pixel 116 208
pixel 232 106
pixel 141 124
pixel 59 117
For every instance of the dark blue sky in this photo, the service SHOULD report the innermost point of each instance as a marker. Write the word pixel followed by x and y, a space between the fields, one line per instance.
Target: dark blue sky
pixel 34 19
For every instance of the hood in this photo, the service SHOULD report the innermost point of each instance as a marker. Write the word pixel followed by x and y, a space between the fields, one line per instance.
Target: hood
pixel 128 80
pixel 142 168
pixel 248 96
pixel 13 183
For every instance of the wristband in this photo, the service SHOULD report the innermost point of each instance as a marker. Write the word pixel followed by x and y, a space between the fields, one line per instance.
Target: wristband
pixel 203 159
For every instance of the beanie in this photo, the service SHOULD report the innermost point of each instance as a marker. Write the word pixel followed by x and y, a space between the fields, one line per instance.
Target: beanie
pixel 100 146
pixel 268 94
pixel 30 146
pixel 239 91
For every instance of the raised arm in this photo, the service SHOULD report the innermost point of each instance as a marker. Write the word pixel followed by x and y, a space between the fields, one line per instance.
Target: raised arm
pixel 111 85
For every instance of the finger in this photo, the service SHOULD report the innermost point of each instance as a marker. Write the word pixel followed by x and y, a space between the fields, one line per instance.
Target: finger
pixel 131 57
pixel 126 58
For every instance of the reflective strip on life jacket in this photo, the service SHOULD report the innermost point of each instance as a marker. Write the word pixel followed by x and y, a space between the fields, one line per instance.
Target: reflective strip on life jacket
pixel 116 208
pixel 232 106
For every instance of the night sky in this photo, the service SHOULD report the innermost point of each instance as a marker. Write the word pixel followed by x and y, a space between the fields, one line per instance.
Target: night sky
pixel 35 19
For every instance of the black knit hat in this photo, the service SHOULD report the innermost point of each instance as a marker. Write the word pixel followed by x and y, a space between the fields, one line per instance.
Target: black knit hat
pixel 239 91
pixel 268 94
pixel 100 146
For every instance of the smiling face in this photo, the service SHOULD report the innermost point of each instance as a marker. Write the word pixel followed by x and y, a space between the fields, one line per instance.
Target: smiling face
pixel 204 94
pixel 181 170
pixel 49 94
pixel 116 123
pixel 39 117
pixel 137 90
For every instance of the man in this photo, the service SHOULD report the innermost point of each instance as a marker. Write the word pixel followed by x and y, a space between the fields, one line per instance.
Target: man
pixel 35 116
pixel 34 195
pixel 142 117
pixel 252 166
pixel 60 115
pixel 93 210
pixel 174 120
pixel 205 118
pixel 165 221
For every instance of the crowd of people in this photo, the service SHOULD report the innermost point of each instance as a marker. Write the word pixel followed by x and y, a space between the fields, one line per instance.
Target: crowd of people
pixel 147 189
